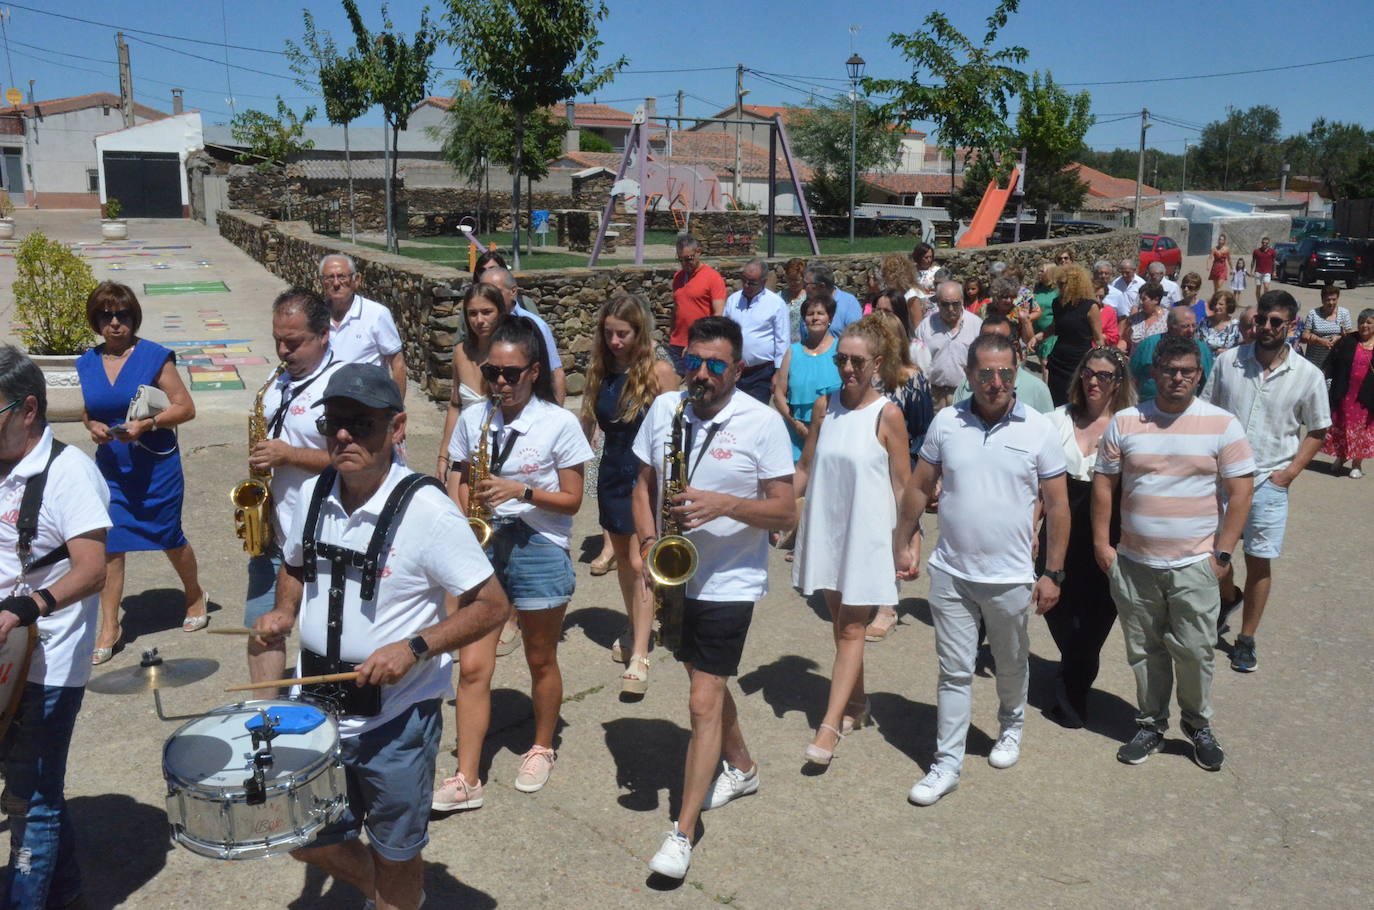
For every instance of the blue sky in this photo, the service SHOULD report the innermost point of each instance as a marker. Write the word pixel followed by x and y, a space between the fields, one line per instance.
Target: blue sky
pixel 805 41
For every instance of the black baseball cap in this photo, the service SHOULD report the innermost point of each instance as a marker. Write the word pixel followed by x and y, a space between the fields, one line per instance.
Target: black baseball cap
pixel 367 384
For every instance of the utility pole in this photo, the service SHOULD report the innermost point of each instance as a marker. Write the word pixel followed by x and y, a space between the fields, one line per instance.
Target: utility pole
pixel 678 126
pixel 739 117
pixel 4 19
pixel 1230 128
pixel 1183 183
pixel 126 81
pixel 1021 200
pixel 1140 167
pixel 855 67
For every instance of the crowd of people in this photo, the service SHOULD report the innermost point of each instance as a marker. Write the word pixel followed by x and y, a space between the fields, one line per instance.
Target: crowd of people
pixel 1094 446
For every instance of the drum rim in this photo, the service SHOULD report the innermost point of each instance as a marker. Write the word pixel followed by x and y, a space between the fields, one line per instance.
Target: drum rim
pixel 236 793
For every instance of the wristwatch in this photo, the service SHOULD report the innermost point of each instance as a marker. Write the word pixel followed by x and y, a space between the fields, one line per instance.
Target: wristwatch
pixel 419 647
pixel 528 495
pixel 1054 575
pixel 1222 557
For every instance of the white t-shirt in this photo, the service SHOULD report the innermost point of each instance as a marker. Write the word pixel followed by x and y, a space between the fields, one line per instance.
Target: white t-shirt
pixel 990 479
pixel 749 445
pixel 76 501
pixel 550 439
pixel 1130 290
pixel 432 552
pixel 298 431
pixel 367 333
pixel 555 362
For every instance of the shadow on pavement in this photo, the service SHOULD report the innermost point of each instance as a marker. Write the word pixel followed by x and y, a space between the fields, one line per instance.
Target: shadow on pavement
pixel 648 755
pixel 157 610
pixel 1109 715
pixel 123 845
pixel 600 624
pixel 441 890
pixel 909 726
pixel 790 683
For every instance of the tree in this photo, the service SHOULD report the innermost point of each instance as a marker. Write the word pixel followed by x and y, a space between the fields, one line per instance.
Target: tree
pixel 396 72
pixel 820 136
pixel 1241 150
pixel 591 142
pixel 963 88
pixel 1335 152
pixel 342 81
pixel 271 140
pixel 530 54
pixel 478 128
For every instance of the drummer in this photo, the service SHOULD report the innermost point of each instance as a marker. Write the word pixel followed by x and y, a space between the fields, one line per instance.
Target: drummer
pixel 61 597
pixel 400 638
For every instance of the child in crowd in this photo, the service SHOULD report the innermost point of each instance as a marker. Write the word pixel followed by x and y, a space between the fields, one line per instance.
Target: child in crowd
pixel 1238 275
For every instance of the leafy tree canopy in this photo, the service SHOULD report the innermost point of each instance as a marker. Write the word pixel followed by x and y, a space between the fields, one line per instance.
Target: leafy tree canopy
pixel 271 140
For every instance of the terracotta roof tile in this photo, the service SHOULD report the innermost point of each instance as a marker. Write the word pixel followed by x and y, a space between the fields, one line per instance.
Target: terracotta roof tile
pixel 80 103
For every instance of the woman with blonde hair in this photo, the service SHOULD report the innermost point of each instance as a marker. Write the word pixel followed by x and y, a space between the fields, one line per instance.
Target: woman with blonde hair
pixel 623 379
pixel 899 274
pixel 1077 326
pixel 1045 293
pixel 856 464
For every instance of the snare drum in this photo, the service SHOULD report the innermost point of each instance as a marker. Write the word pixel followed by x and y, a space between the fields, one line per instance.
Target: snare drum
pixel 208 761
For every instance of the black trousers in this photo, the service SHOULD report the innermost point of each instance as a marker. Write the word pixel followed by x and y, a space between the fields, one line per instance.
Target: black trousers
pixel 757 382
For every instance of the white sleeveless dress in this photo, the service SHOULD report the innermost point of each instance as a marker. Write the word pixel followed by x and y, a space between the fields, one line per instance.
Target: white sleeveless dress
pixel 844 543
pixel 468 396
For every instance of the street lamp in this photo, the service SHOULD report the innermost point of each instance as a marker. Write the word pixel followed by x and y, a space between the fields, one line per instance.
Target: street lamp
pixel 855 66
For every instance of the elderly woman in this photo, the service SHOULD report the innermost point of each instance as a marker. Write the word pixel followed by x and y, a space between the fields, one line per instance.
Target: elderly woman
pixel 1221 330
pixel 1190 287
pixel 139 459
pixel 1003 303
pixel 1351 435
pixel 1150 318
pixel 1324 326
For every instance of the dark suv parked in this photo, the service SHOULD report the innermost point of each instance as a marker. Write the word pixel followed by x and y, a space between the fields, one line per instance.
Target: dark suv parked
pixel 1322 259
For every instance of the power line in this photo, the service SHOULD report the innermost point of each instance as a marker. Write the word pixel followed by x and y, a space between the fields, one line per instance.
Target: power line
pixel 70 66
pixel 140 31
pixel 247 69
pixel 686 69
pixel 1264 69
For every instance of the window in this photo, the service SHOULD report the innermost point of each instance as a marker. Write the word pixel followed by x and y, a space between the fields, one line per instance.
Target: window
pixel 92 180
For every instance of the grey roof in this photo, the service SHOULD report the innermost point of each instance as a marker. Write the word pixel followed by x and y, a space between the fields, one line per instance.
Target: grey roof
pixel 330 138
pixel 363 169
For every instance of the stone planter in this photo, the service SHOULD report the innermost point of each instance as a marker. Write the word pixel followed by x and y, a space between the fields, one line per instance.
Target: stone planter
pixel 65 403
pixel 6 228
pixel 114 229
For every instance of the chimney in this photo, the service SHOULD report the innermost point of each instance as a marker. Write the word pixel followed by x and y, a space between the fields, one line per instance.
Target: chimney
pixel 176 101
pixel 572 139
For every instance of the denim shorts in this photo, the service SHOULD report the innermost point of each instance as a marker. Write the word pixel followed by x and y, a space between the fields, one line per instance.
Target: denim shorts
pixel 262 585
pixel 390 774
pixel 536 572
pixel 1265 525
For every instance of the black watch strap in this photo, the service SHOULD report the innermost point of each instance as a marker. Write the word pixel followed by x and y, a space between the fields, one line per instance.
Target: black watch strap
pixel 1056 576
pixel 1222 557
pixel 419 647
pixel 48 600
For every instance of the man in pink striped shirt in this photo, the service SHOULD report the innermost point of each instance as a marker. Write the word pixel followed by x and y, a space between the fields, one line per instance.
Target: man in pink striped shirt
pixel 1169 456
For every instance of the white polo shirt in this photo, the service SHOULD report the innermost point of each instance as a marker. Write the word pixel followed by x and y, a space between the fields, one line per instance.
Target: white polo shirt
pixel 432 553
pixel 749 445
pixel 297 430
pixel 948 350
pixel 76 501
pixel 1276 410
pixel 555 362
pixel 763 323
pixel 549 438
pixel 1118 301
pixel 990 479
pixel 1128 289
pixel 366 334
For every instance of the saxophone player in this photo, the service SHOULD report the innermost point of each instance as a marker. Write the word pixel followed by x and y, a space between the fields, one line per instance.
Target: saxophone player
pixel 737 486
pixel 291 449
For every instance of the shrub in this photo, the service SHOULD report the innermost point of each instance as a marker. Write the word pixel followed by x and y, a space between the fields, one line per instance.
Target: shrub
pixel 50 296
pixel 6 206
pixel 112 208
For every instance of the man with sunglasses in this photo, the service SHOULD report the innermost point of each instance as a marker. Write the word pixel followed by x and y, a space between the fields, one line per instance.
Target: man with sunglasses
pixel 947 333
pixel 738 481
pixel 1181 323
pixel 1281 402
pixel 1171 457
pixel 293 451
pixel 698 292
pixel 361 330
pixel 384 617
pixel 995 458
pixel 762 318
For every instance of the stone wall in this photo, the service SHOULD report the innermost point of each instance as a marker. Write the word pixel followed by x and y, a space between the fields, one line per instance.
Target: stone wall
pixel 420 295
pixel 824 225
pixel 1243 232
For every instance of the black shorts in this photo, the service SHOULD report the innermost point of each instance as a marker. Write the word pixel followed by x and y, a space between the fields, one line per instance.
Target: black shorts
pixel 713 634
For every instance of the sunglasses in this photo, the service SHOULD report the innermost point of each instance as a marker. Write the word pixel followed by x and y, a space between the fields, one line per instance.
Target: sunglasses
pixel 511 375
pixel 1184 372
pixel 11 406
pixel 1103 377
pixel 843 360
pixel 1274 322
pixel 717 367
pixel 357 427
pixel 106 317
pixel 1006 374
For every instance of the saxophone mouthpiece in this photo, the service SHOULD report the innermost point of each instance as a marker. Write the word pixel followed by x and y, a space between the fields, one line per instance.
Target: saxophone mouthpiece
pixel 696 391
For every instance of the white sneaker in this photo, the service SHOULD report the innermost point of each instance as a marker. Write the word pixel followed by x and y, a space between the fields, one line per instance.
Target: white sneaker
pixel 1355 474
pixel 928 790
pixel 673 858
pixel 732 783
pixel 1007 750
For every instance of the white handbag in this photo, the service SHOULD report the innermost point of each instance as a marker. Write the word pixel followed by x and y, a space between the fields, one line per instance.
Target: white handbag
pixel 149 402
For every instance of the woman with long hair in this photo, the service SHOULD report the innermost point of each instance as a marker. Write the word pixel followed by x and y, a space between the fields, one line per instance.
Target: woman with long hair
pixel 892 301
pixel 1220 269
pixel 533 488
pixel 1100 386
pixel 623 379
pixel 1351 436
pixel 1002 302
pixel 139 459
pixel 923 257
pixel 1045 293
pixel 1077 326
pixel 856 466
pixel 483 310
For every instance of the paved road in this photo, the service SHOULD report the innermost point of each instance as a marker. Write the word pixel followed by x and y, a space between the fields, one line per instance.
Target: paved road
pixel 1284 824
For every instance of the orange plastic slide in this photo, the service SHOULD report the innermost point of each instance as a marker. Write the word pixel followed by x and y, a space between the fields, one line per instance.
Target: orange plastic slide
pixel 989 212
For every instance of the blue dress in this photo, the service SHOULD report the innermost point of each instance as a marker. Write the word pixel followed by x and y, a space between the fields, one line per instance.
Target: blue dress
pixel 619 467
pixel 809 376
pixel 145 489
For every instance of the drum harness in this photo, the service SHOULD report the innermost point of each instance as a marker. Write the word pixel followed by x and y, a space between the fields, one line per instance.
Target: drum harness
pixel 350 699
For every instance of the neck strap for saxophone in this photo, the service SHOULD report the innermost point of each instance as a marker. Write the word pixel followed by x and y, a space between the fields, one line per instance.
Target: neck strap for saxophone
pixel 290 394
pixel 27 522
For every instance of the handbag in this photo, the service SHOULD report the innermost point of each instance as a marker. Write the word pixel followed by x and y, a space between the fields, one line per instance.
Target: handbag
pixel 148 402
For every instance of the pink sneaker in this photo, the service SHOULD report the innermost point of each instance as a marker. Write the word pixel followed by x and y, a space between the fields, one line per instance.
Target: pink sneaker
pixel 535 766
pixel 456 795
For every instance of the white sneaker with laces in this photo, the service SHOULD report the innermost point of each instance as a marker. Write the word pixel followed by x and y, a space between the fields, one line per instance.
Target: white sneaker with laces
pixel 673 858
pixel 1007 750
pixel 928 790
pixel 732 783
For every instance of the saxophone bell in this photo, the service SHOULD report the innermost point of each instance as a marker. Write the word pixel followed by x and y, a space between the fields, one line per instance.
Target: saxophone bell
pixel 252 498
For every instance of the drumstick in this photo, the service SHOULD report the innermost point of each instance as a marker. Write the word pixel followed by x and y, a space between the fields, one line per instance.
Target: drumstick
pixel 302 681
pixel 238 630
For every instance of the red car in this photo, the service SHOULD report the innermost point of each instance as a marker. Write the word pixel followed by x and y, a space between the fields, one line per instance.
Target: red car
pixel 1158 248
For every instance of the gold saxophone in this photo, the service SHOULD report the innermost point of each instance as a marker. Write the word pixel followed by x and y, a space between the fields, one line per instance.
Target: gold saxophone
pixel 252 498
pixel 479 513
pixel 672 560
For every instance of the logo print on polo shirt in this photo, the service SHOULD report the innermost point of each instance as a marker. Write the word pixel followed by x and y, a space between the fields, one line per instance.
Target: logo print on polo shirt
pixel 721 454
pixel 386 567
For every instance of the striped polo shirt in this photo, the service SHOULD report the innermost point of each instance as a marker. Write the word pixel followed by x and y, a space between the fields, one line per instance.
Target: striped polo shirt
pixel 1169 466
